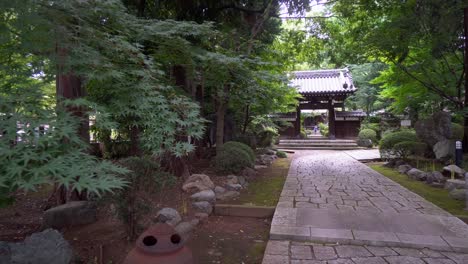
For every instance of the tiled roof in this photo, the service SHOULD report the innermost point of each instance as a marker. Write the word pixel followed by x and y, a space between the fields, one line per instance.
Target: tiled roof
pixel 350 114
pixel 337 81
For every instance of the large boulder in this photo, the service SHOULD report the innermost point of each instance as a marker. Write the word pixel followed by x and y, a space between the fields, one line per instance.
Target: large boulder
pixel 207 195
pixel 447 170
pixel 169 216
pixel 404 168
pixel 436 128
pixel 416 174
pixel 197 183
pixel 265 159
pixel 455 184
pixel 48 246
pixel 70 214
pixel 458 194
pixel 444 149
pixel 203 207
pixel 435 177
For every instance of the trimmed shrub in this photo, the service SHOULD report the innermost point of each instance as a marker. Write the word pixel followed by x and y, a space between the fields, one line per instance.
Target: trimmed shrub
pixel 406 148
pixel 457 132
pixel 249 139
pixel 234 157
pixel 232 160
pixel 365 134
pixel 281 154
pixel 242 146
pixel 389 141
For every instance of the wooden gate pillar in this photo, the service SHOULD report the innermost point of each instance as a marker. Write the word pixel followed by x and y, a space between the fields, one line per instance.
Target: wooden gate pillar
pixel 297 125
pixel 331 119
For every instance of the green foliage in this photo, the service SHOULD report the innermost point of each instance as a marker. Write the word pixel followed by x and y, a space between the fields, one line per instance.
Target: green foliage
pixel 247 139
pixel 390 140
pixel 281 154
pixel 323 129
pixel 367 96
pixel 144 179
pixel 242 146
pixel 268 137
pixel 368 134
pixel 407 148
pixel 457 131
pixel 233 158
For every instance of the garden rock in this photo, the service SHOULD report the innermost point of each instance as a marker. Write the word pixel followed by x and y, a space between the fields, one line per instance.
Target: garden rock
pixel 198 182
pixel 201 216
pixel 367 143
pixel 203 207
pixel 259 167
pixel 232 179
pixel 447 170
pixel 249 172
pixel 434 129
pixel 444 149
pixel 228 195
pixel 389 164
pixel 270 152
pixel 455 184
pixel 185 228
pixel 219 190
pixel 416 174
pixel 169 216
pixel 70 214
pixel 266 159
pixel 48 246
pixel 399 163
pixel 207 195
pixel 458 194
pixel 241 180
pixel 233 187
pixel 435 177
pixel 404 168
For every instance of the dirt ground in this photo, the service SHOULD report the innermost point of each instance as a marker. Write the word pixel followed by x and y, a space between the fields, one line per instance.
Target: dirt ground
pixel 217 239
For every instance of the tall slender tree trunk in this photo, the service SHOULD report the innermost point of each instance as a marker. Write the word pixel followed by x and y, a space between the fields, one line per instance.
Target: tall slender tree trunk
pixel 220 113
pixel 465 137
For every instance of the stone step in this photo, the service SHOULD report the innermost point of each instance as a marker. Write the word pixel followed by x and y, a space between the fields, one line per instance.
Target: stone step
pixel 317 140
pixel 319 144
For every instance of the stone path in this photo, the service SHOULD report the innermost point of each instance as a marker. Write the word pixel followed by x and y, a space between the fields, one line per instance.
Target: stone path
pixel 364 154
pixel 289 252
pixel 329 197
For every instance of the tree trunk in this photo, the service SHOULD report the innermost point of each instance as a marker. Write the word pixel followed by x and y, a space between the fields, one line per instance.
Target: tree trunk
pixel 465 137
pixel 220 114
pixel 135 141
pixel 246 119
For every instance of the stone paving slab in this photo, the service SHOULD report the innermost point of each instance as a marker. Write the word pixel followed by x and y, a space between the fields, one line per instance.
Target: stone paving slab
pixel 364 154
pixel 330 197
pixel 293 252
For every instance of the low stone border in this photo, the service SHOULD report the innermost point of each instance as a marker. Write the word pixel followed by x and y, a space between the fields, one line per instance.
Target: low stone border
pixel 244 210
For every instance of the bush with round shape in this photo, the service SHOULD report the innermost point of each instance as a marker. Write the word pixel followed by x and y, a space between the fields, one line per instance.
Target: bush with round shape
pixel 407 148
pixel 389 141
pixel 232 160
pixel 365 134
pixel 248 139
pixel 281 154
pixel 242 146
